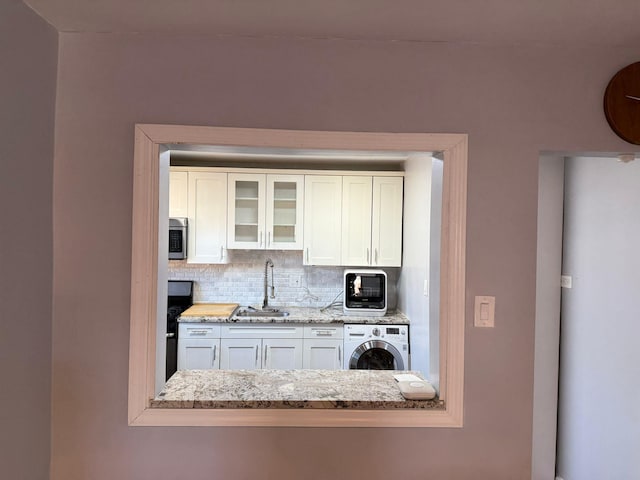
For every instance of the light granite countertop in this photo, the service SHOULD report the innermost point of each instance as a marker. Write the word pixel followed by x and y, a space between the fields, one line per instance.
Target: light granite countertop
pixel 359 389
pixel 305 315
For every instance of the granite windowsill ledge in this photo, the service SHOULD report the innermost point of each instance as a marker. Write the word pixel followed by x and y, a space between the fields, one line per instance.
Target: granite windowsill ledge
pixel 328 389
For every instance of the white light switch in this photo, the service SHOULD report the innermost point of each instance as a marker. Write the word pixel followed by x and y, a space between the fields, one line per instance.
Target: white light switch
pixel 485 309
pixel 566 281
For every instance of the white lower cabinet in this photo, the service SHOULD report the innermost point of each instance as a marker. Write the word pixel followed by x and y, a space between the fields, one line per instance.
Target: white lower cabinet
pixel 323 347
pixel 254 346
pixel 252 354
pixel 260 346
pixel 282 353
pixel 198 346
pixel 240 354
pixel 199 354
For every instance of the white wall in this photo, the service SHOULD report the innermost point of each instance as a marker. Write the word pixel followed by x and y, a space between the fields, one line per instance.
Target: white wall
pixel 599 417
pixel 415 257
pixel 435 234
pixel 108 82
pixel 547 333
pixel 28 66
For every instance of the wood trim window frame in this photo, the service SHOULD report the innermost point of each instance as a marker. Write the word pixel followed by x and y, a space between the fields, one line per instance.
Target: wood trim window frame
pixel 149 143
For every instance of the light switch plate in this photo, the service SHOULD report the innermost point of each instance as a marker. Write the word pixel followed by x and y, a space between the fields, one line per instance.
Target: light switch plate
pixel 484 311
pixel 566 281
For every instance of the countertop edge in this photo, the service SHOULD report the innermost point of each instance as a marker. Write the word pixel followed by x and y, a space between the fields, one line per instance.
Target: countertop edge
pixel 304 315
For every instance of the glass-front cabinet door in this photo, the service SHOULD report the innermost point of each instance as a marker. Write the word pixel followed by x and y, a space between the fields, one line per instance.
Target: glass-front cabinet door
pixel 246 228
pixel 265 211
pixel 284 212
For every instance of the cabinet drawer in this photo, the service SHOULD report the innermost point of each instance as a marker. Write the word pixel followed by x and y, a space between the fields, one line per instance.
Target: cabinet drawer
pixel 323 331
pixel 261 331
pixel 198 330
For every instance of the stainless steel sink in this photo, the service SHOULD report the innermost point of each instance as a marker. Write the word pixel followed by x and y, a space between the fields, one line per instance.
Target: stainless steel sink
pixel 249 312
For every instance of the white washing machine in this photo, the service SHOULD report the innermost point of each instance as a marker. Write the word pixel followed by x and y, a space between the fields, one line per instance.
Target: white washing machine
pixel 376 347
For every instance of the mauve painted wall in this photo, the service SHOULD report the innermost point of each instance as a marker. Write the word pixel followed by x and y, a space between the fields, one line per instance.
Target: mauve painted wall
pixel 513 102
pixel 28 65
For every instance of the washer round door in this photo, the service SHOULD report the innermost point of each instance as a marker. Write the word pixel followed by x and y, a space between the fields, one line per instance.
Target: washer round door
pixel 376 355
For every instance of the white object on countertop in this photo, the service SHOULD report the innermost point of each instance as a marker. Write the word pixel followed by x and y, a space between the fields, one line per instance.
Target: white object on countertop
pixel 414 388
pixel 407 377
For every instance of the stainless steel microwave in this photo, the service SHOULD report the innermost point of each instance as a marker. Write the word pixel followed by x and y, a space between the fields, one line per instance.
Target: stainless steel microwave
pixel 365 292
pixel 178 238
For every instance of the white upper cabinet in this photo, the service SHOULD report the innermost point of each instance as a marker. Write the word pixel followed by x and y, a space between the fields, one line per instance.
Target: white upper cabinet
pixel 178 193
pixel 353 220
pixel 386 222
pixel 322 219
pixel 356 220
pixel 372 221
pixel 265 211
pixel 346 220
pixel 284 215
pixel 207 213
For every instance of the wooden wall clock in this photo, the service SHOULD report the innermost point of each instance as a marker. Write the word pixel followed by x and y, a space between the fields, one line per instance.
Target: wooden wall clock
pixel 622 103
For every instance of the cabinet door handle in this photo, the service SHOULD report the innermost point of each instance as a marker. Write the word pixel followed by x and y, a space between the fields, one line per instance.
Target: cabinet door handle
pixel 307 254
pixel 376 250
pixel 260 238
pixel 256 355
pixel 214 352
pixel 268 239
pixel 368 262
pixel 221 252
pixel 266 349
pixel 339 355
pixel 198 332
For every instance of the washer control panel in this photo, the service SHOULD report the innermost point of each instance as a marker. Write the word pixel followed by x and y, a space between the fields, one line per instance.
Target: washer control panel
pixel 393 333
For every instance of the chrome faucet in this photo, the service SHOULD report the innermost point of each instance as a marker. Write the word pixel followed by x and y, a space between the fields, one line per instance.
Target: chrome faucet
pixel 265 301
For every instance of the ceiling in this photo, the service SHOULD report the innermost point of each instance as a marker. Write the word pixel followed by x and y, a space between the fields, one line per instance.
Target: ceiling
pixel 611 23
pixel 263 157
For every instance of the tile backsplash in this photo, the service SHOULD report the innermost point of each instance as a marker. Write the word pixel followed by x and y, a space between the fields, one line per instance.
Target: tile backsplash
pixel 242 280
